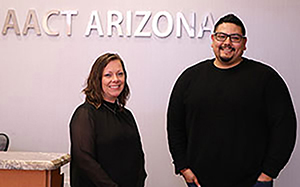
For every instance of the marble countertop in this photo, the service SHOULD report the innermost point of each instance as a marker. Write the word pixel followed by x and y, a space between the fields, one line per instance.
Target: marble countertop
pixel 32 160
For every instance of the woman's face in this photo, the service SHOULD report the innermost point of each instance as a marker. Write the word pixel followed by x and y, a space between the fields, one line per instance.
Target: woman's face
pixel 113 79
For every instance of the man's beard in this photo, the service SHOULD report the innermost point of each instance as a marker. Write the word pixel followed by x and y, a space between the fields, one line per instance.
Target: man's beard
pixel 224 59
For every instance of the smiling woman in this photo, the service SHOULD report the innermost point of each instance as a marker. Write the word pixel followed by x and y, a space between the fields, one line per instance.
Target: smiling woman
pixel 113 79
pixel 108 70
pixel 106 149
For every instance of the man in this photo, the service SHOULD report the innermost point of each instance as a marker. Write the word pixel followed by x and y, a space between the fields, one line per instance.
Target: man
pixel 230 121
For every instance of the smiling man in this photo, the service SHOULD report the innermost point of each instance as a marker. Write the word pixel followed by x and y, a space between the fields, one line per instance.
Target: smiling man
pixel 231 120
pixel 229 43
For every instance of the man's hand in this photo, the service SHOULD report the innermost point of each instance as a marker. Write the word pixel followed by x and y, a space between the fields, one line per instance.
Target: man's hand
pixel 264 178
pixel 189 176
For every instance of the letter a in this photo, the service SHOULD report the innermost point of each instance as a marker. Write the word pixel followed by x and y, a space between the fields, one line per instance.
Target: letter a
pixel 11 15
pixel 94 18
pixel 34 25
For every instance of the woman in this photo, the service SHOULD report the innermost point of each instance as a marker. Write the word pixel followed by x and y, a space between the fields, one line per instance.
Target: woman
pixel 106 149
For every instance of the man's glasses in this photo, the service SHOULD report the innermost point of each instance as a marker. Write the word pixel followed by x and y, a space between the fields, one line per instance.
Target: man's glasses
pixel 221 37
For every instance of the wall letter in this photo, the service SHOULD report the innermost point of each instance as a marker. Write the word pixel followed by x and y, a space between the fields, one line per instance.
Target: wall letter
pixel 182 21
pixel 94 18
pixel 31 16
pixel 208 20
pixel 139 29
pixel 128 23
pixel 11 15
pixel 156 21
pixel 69 14
pixel 45 23
pixel 111 24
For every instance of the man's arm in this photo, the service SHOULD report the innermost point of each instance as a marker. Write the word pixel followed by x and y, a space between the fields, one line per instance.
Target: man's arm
pixel 282 123
pixel 176 126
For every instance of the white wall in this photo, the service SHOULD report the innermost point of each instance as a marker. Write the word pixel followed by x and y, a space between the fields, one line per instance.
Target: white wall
pixel 41 76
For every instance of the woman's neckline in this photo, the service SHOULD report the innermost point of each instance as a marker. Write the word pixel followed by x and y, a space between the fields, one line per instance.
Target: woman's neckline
pixel 112 107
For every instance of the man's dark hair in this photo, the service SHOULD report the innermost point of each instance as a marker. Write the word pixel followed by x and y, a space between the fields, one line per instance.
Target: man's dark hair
pixel 231 18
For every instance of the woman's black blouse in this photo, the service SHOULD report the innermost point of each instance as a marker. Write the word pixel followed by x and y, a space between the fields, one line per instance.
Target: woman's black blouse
pixel 106 149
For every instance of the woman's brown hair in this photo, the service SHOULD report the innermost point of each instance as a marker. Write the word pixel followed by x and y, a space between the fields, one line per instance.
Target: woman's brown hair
pixel 93 89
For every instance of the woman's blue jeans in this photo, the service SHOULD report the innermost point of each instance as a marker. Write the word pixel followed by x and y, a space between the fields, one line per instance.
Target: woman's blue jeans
pixel 258 184
pixel 264 184
pixel 191 185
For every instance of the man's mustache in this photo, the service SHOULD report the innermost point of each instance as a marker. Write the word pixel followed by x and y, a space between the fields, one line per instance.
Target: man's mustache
pixel 228 46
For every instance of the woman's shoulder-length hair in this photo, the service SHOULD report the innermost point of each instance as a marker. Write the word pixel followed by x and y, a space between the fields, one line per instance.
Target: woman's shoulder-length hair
pixel 94 90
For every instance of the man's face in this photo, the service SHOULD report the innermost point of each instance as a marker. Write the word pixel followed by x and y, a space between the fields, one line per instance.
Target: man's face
pixel 228 52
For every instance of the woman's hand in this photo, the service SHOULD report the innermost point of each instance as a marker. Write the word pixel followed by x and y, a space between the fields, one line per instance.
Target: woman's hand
pixel 264 178
pixel 189 176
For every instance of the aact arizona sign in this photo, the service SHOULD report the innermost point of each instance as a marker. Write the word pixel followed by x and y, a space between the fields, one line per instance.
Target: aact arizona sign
pixel 114 19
